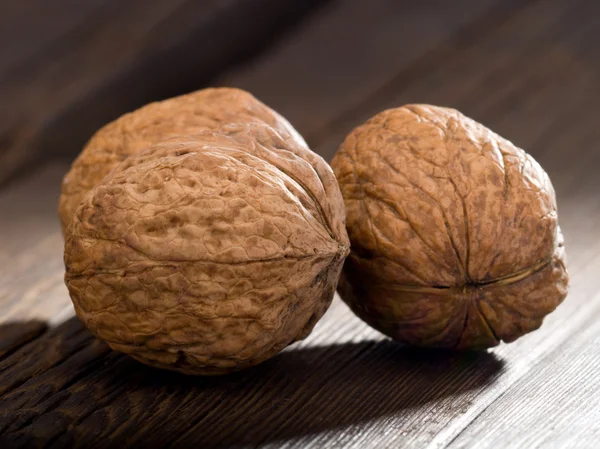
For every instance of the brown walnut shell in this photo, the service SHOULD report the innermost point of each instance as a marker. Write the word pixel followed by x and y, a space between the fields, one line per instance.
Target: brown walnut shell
pixel 209 253
pixel 187 114
pixel 454 234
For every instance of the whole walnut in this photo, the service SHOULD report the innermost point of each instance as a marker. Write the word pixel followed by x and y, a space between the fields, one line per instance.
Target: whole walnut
pixel 454 235
pixel 208 253
pixel 133 132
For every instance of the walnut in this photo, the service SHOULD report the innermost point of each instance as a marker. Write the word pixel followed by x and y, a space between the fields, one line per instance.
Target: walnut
pixel 453 230
pixel 208 253
pixel 133 132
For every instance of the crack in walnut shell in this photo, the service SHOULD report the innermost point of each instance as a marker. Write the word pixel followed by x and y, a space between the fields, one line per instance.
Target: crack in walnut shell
pixel 209 253
pixel 454 233
pixel 187 114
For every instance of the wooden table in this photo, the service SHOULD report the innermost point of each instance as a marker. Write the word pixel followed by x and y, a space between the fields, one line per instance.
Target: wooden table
pixel 529 70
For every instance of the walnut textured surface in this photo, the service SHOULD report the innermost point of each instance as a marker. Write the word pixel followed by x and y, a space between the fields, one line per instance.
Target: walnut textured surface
pixel 208 253
pixel 133 132
pixel 454 232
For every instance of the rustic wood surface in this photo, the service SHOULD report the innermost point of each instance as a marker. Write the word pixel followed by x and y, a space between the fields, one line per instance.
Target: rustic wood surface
pixel 69 66
pixel 527 69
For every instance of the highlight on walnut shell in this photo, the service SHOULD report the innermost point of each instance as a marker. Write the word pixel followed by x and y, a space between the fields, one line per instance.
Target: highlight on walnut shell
pixel 454 235
pixel 187 114
pixel 209 253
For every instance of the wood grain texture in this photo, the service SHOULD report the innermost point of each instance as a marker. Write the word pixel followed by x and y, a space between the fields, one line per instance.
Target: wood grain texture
pixel 84 390
pixel 564 391
pixel 530 72
pixel 31 250
pixel 14 335
pixel 68 67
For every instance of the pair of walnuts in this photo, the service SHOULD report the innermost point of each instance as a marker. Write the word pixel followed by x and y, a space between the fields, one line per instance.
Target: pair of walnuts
pixel 204 236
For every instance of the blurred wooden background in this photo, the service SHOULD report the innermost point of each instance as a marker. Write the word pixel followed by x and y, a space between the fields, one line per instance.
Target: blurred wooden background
pixel 69 66
pixel 528 69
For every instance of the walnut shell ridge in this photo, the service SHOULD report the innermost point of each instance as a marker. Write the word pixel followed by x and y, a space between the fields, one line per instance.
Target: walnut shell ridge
pixel 454 233
pixel 133 132
pixel 209 253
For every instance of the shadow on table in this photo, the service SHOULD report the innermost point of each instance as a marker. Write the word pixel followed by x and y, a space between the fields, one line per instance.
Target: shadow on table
pixel 66 388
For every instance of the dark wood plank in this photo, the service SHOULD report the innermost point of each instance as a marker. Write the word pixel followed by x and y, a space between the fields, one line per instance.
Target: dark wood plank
pixel 350 52
pixel 78 393
pixel 67 67
pixel 14 335
pixel 345 386
pixel 531 69
pixel 51 349
pixel 28 19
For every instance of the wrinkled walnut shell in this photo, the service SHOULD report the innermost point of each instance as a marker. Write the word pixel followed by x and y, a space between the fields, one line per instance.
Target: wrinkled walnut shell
pixel 209 253
pixel 454 232
pixel 184 115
